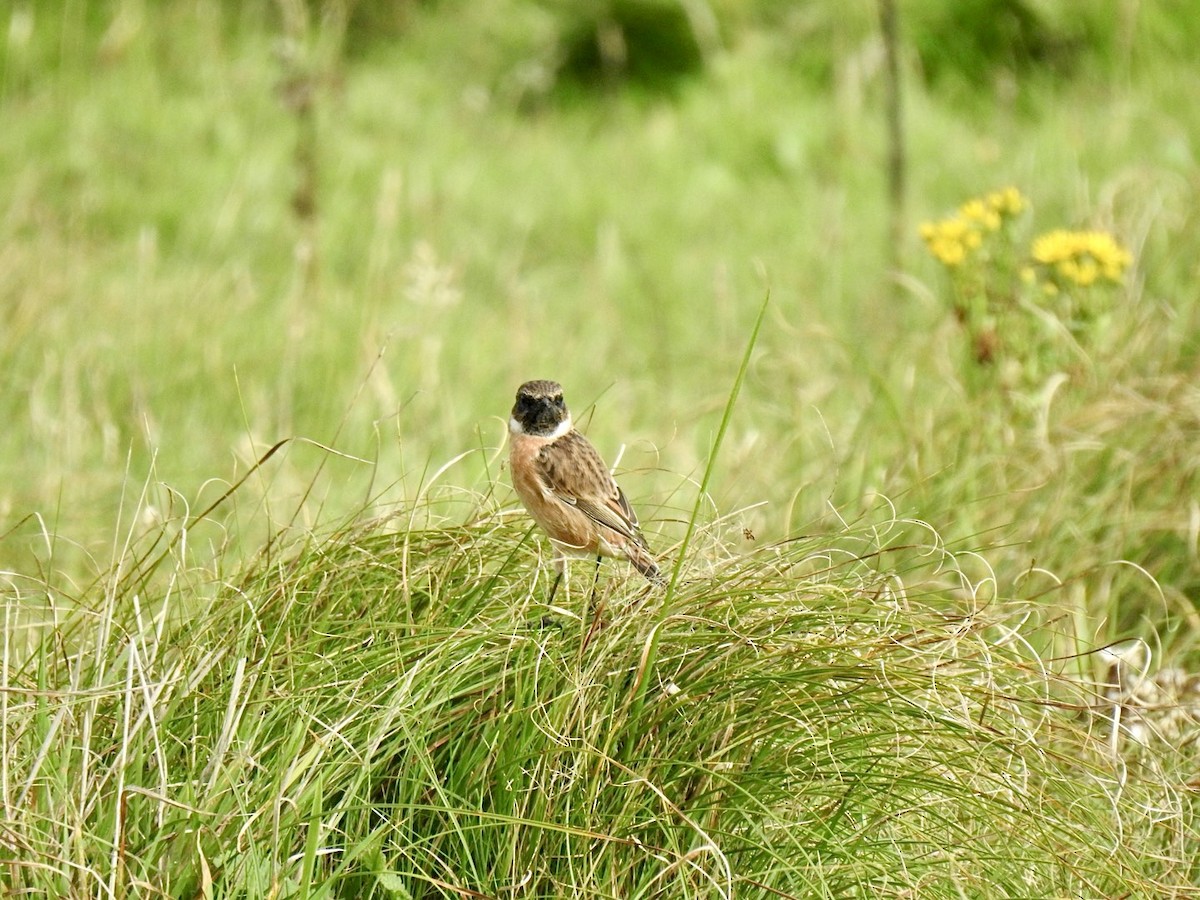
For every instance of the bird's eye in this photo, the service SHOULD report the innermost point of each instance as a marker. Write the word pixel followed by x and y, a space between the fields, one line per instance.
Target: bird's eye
pixel 558 401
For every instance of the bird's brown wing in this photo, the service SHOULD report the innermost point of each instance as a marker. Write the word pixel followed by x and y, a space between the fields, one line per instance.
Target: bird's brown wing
pixel 573 472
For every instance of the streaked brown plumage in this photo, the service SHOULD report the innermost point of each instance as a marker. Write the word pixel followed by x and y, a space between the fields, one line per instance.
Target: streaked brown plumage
pixel 566 486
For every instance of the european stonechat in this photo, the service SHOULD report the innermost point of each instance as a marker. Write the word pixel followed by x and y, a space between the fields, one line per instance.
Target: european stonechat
pixel 566 486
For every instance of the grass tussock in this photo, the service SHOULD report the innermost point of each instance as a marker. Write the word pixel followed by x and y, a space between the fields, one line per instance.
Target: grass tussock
pixel 392 711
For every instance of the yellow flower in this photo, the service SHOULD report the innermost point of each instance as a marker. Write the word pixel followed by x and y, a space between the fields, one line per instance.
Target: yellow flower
pixel 949 253
pixel 1051 247
pixel 977 211
pixel 1007 202
pixel 1081 257
pixel 950 240
pixel 1068 269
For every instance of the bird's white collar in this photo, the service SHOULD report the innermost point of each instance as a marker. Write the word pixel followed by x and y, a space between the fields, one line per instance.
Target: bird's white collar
pixel 559 430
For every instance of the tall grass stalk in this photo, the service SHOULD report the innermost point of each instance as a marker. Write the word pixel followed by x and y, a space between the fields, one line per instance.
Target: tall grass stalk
pixel 651 654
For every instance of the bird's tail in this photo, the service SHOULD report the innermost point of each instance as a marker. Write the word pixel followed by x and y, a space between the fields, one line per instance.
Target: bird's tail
pixel 640 556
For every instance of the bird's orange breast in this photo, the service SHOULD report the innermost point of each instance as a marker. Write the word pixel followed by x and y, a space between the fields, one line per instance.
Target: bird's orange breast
pixel 570 529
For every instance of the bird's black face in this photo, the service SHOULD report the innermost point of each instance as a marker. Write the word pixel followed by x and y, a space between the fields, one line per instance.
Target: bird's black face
pixel 540 408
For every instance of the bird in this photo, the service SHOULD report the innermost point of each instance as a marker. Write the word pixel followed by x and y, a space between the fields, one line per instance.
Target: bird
pixel 566 487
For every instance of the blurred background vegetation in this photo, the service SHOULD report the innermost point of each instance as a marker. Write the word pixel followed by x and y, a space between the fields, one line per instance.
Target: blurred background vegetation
pixel 364 223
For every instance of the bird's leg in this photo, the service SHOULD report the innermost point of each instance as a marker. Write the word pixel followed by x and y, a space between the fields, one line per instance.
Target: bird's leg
pixel 560 564
pixel 560 573
pixel 595 611
pixel 595 581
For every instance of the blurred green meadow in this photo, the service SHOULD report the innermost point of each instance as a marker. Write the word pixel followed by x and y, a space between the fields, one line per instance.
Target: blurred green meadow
pixel 355 228
pixel 480 213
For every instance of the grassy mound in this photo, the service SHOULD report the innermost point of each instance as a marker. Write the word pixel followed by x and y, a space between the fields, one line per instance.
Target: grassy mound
pixel 395 712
